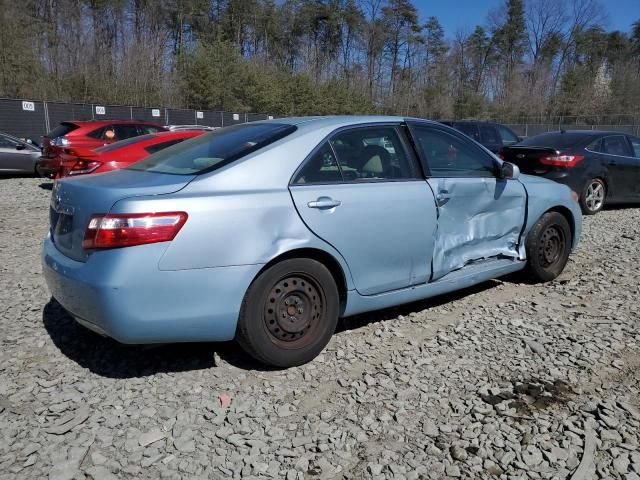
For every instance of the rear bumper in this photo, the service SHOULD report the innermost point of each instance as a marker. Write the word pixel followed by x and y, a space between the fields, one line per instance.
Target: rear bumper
pixel 570 179
pixel 121 293
pixel 48 167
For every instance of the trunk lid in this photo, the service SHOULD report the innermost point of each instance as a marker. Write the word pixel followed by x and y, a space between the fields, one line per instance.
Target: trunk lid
pixel 528 158
pixel 75 200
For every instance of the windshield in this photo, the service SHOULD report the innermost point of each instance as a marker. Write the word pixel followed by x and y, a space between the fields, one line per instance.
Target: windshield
pixel 214 150
pixel 557 140
pixel 125 143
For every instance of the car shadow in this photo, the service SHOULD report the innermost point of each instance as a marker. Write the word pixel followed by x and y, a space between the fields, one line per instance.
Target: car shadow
pixel 108 358
pixel 621 206
pixel 46 186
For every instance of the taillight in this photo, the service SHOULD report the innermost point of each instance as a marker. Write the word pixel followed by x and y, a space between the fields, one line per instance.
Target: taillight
pixel 125 230
pixel 84 166
pixel 561 160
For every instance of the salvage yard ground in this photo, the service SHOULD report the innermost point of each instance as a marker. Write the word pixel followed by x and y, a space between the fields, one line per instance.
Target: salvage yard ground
pixel 505 380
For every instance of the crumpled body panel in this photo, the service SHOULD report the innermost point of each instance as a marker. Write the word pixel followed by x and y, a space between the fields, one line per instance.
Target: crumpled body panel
pixel 477 218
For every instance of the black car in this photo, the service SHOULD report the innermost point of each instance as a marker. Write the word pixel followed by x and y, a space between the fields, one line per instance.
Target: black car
pixel 492 135
pixel 599 166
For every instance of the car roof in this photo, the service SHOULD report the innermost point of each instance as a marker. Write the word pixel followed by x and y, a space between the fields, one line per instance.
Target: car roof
pixel 337 121
pixel 471 121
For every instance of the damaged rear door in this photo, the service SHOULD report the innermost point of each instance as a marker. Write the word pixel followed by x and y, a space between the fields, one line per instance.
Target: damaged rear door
pixel 480 216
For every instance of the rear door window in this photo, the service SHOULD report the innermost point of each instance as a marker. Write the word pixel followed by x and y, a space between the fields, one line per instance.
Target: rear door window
pixel 595 146
pixel 124 131
pixel 146 129
pixel 321 168
pixel 98 133
pixel 616 145
pixel 214 150
pixel 372 154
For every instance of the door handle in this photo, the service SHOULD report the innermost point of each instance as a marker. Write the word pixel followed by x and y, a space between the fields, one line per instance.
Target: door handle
pixel 324 203
pixel 613 163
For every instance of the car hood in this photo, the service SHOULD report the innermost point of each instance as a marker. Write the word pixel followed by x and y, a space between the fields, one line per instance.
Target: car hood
pixel 533 180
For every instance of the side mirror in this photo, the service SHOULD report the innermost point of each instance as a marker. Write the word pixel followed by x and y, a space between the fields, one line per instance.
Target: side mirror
pixel 509 171
pixel 20 146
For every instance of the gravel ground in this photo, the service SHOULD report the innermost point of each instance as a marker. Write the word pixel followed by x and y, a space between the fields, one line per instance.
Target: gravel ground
pixel 504 380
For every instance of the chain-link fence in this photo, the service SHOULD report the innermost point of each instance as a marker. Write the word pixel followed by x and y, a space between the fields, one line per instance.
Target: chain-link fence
pixel 33 119
pixel 531 129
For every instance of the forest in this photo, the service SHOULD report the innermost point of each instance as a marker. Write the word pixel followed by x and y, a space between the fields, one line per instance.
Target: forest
pixel 526 58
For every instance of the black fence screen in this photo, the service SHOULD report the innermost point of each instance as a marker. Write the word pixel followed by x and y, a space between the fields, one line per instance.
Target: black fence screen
pixel 30 119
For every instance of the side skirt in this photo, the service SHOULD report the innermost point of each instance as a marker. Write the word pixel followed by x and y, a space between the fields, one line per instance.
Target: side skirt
pixel 472 274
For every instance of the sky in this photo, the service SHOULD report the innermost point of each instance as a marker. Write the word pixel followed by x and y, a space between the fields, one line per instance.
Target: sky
pixel 466 14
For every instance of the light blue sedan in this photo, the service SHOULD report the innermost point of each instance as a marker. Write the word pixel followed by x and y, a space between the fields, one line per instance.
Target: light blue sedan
pixel 269 232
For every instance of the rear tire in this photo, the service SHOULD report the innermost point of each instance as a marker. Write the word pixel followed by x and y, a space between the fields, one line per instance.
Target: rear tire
pixel 593 196
pixel 548 246
pixel 289 313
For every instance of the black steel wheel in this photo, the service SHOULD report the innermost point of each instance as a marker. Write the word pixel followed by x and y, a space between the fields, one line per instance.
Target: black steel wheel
pixel 548 246
pixel 289 313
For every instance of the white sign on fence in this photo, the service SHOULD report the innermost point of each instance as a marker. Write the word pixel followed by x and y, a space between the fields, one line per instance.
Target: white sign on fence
pixel 100 110
pixel 270 117
pixel 155 112
pixel 29 106
pixel 200 115
pixel 236 117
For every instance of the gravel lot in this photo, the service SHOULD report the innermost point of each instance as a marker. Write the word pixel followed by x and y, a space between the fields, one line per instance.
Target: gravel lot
pixel 503 380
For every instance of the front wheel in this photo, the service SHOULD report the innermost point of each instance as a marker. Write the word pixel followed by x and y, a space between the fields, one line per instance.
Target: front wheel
pixel 593 196
pixel 289 313
pixel 548 246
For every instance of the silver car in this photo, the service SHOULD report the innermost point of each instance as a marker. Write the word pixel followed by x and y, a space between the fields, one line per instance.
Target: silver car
pixel 17 156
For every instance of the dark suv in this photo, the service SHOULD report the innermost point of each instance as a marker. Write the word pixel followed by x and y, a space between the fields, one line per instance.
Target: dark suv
pixel 492 135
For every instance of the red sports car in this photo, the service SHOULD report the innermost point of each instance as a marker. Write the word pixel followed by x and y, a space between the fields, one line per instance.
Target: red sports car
pixel 86 137
pixel 120 154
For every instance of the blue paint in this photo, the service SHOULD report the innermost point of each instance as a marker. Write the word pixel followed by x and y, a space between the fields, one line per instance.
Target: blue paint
pixel 394 241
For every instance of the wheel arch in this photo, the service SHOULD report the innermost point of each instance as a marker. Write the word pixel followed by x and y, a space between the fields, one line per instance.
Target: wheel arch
pixel 325 258
pixel 566 213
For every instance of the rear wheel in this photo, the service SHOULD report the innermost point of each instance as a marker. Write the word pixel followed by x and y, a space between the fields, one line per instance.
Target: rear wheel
pixel 548 246
pixel 593 196
pixel 289 313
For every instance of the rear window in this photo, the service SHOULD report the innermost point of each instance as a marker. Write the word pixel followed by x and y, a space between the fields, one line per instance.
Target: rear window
pixel 61 130
pixel 124 143
pixel 555 140
pixel 214 150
